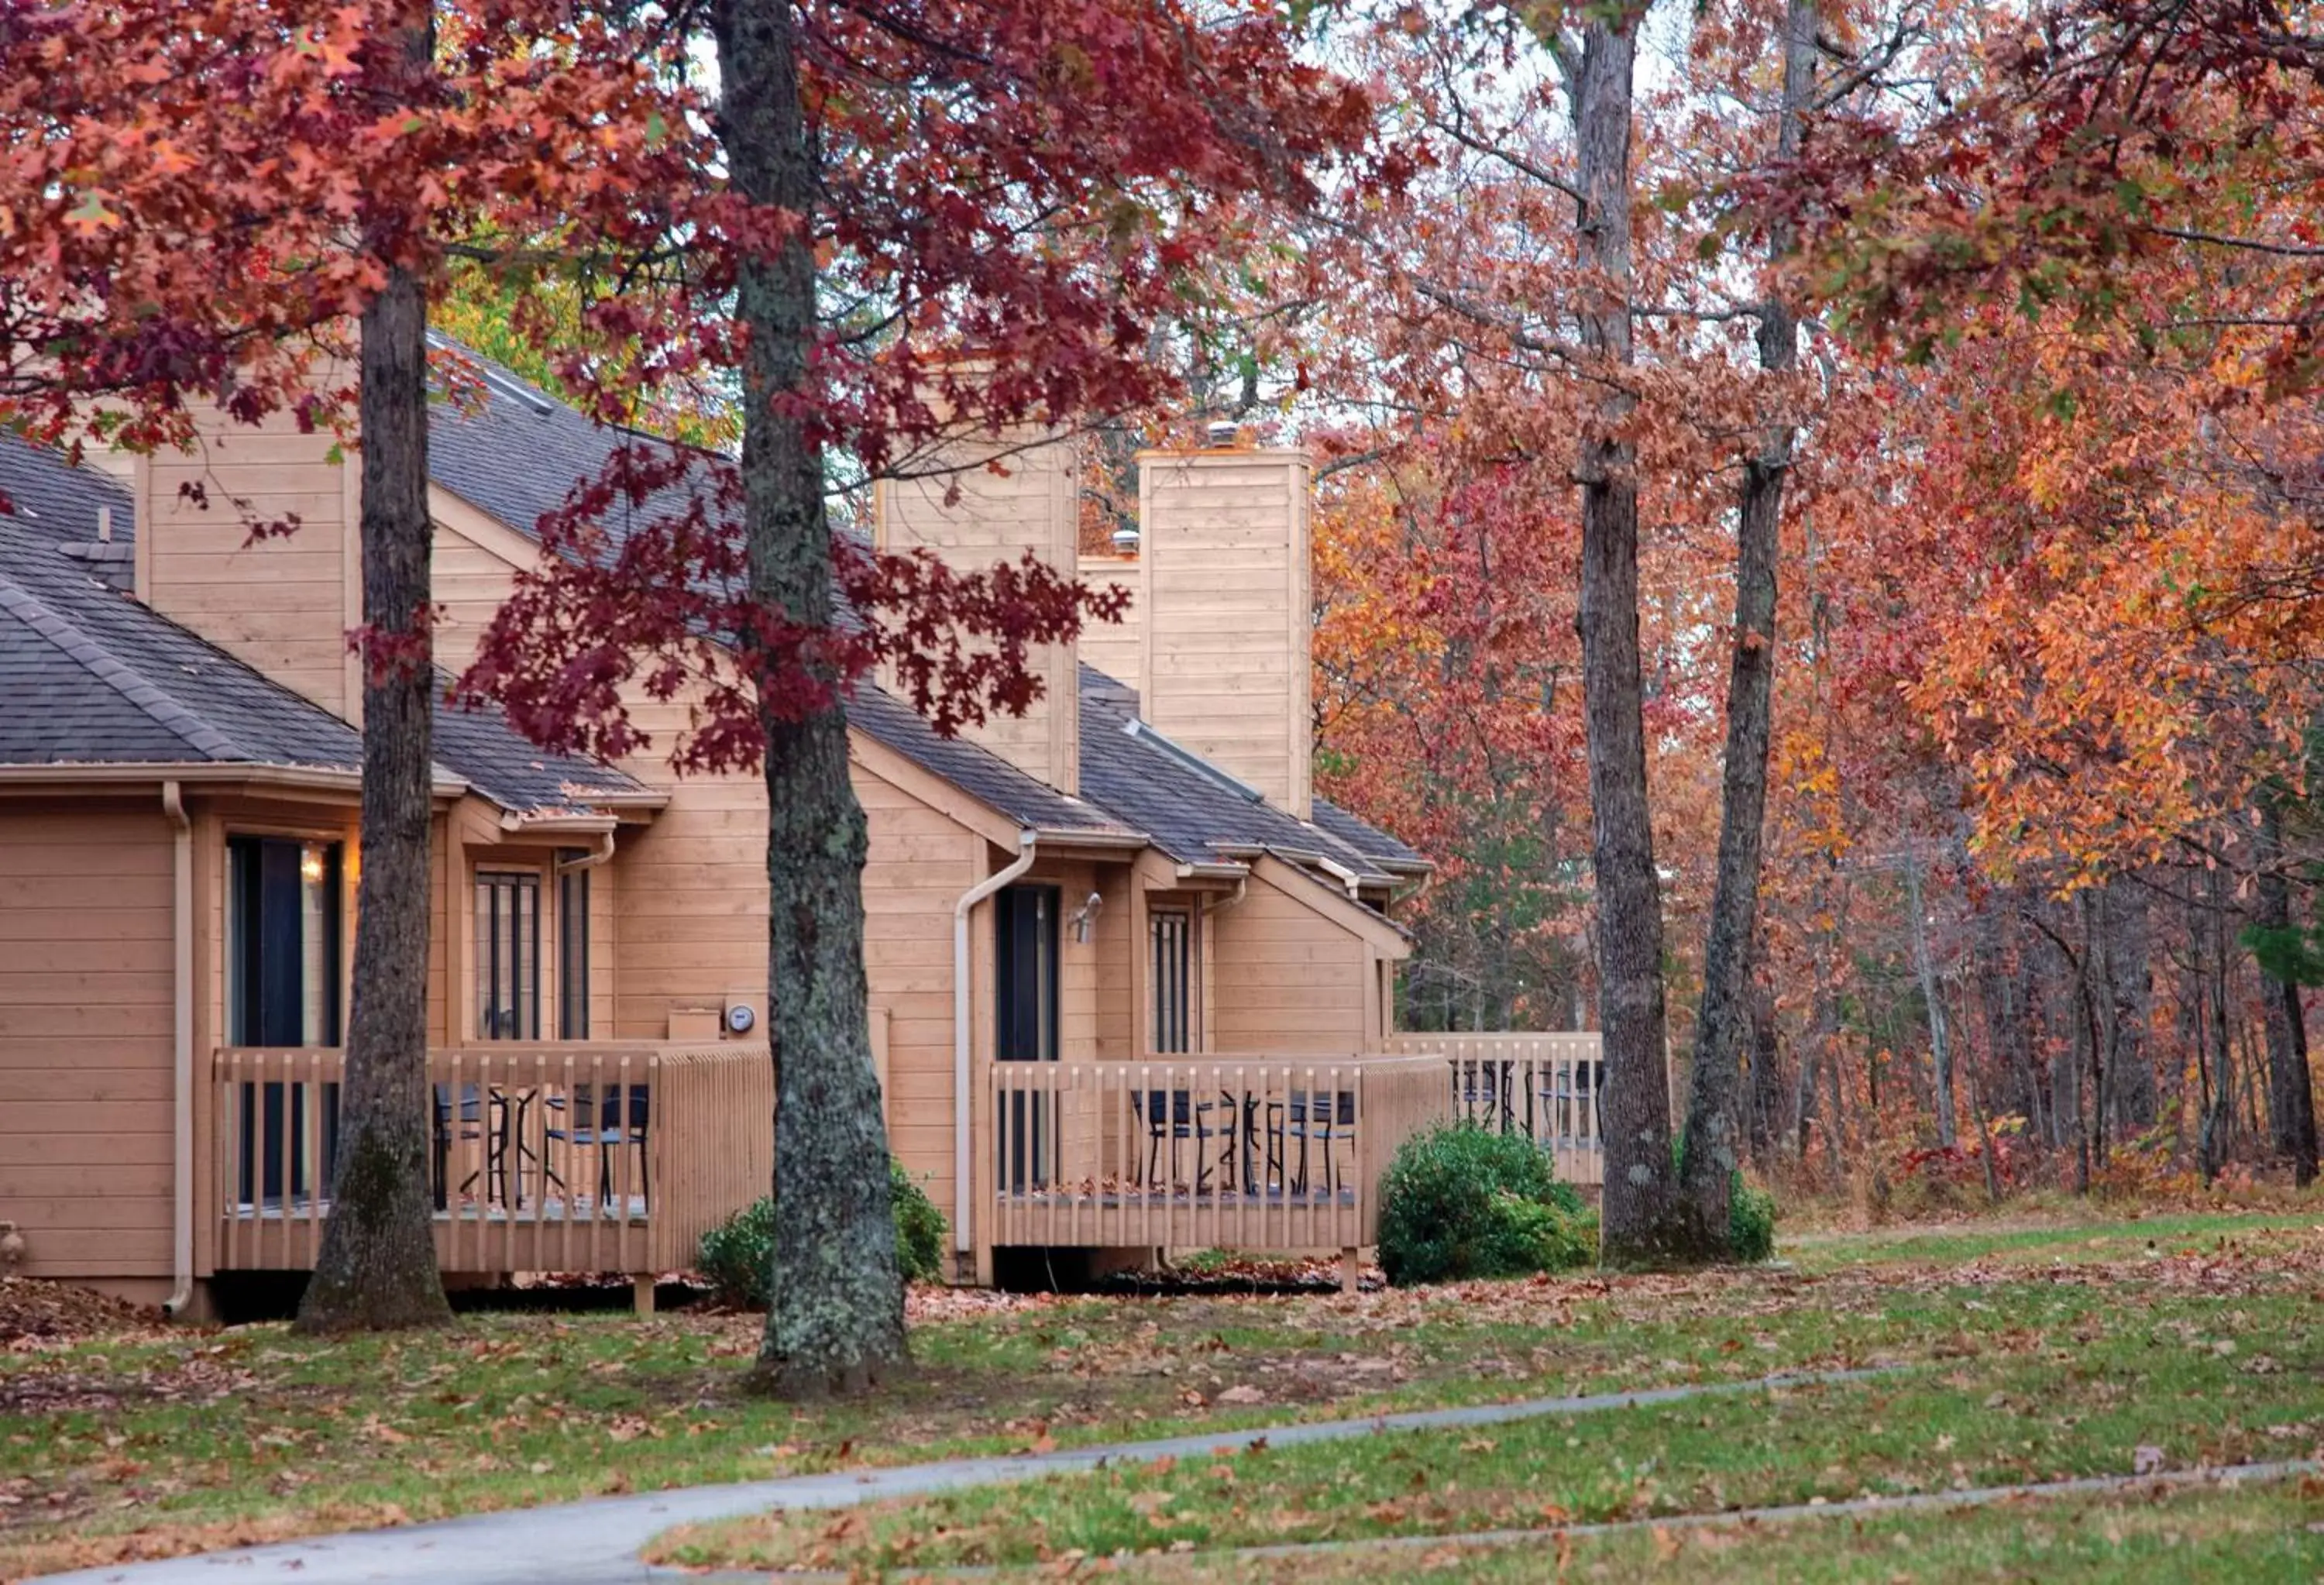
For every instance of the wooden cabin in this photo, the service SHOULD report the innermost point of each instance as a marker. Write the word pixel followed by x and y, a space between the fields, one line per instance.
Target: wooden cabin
pixel 1132 982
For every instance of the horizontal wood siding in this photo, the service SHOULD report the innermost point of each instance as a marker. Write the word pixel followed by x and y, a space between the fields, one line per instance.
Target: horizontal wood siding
pixel 1284 977
pixel 470 582
pixel 920 861
pixel 87 933
pixel 975 517
pixel 1118 649
pixel 283 604
pixel 1224 544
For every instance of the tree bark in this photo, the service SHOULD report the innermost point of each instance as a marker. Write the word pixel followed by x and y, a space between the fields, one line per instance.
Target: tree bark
pixel 1711 1153
pixel 1767 1088
pixel 2291 1092
pixel 835 1322
pixel 1639 1226
pixel 376 1268
pixel 1940 1055
pixel 2130 981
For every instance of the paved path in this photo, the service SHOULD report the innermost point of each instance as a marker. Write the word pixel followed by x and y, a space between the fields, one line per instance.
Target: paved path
pixel 596 1542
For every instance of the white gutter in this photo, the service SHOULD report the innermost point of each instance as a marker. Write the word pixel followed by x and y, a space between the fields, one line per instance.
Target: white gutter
pixel 181 977
pixel 592 859
pixel 963 1105
pixel 1220 905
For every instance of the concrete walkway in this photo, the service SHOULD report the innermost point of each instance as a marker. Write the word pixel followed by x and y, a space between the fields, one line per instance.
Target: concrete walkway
pixel 596 1542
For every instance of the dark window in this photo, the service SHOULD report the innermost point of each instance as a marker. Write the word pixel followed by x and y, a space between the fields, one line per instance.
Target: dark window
pixel 1026 1019
pixel 508 954
pixel 1028 1009
pixel 282 989
pixel 1173 930
pixel 282 941
pixel 573 954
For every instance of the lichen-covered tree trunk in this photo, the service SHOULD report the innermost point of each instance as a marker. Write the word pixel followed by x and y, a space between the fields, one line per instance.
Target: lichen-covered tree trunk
pixel 2291 1092
pixel 376 1268
pixel 1638 1226
pixel 835 1320
pixel 1712 1152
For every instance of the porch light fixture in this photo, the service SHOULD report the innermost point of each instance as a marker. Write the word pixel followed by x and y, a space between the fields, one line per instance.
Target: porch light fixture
pixel 1086 917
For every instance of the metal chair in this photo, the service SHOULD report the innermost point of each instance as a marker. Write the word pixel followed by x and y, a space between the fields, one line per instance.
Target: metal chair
pixel 474 1119
pixel 1175 1115
pixel 1326 1118
pixel 599 1124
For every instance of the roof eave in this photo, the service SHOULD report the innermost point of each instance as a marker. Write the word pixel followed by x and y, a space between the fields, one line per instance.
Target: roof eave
pixel 69 773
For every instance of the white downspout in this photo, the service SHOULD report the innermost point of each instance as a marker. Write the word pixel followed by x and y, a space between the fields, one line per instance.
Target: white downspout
pixel 590 859
pixel 181 1243
pixel 963 1105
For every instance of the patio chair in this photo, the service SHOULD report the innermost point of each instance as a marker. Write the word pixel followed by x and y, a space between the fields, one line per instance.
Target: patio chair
pixel 1175 1115
pixel 471 1119
pixel 598 1123
pixel 1327 1118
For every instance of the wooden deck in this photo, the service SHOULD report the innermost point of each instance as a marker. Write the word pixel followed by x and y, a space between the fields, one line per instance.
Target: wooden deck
pixel 1261 1154
pixel 1546 1087
pixel 566 1157
pixel 617 1158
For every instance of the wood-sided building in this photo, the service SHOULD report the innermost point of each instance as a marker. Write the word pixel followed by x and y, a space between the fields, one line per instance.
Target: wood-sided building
pixel 1132 983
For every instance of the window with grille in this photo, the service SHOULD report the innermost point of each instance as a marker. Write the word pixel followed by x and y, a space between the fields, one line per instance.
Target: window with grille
pixel 1173 931
pixel 508 954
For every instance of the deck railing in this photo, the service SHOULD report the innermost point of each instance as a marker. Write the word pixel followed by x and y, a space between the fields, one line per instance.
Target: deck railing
pixel 1251 1153
pixel 1544 1086
pixel 549 1157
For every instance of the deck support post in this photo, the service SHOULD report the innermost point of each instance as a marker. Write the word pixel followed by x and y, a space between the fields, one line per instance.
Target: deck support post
pixel 642 1292
pixel 1350 1268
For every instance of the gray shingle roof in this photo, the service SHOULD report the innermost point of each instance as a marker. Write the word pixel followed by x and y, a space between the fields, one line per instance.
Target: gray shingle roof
pixel 48 496
pixel 521 453
pixel 518 456
pixel 88 675
pixel 483 750
pixel 94 678
pixel 976 770
pixel 1192 811
pixel 1368 839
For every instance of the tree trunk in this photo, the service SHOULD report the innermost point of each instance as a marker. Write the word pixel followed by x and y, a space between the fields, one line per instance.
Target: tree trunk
pixel 1638 1221
pixel 2002 1004
pixel 1940 1055
pixel 835 1322
pixel 376 1267
pixel 1710 1155
pixel 2130 980
pixel 2219 1092
pixel 1767 1089
pixel 2291 1094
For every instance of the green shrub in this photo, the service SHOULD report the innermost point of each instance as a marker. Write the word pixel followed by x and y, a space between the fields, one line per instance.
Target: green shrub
pixel 737 1254
pixel 1458 1202
pixel 1750 1212
pixel 1750 1222
pixel 919 1227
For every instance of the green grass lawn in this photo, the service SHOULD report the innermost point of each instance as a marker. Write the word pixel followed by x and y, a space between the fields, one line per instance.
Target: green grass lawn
pixel 153 1442
pixel 2261 1534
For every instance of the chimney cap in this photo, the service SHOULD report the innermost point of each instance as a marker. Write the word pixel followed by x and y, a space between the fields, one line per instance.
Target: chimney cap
pixel 1222 432
pixel 1125 539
